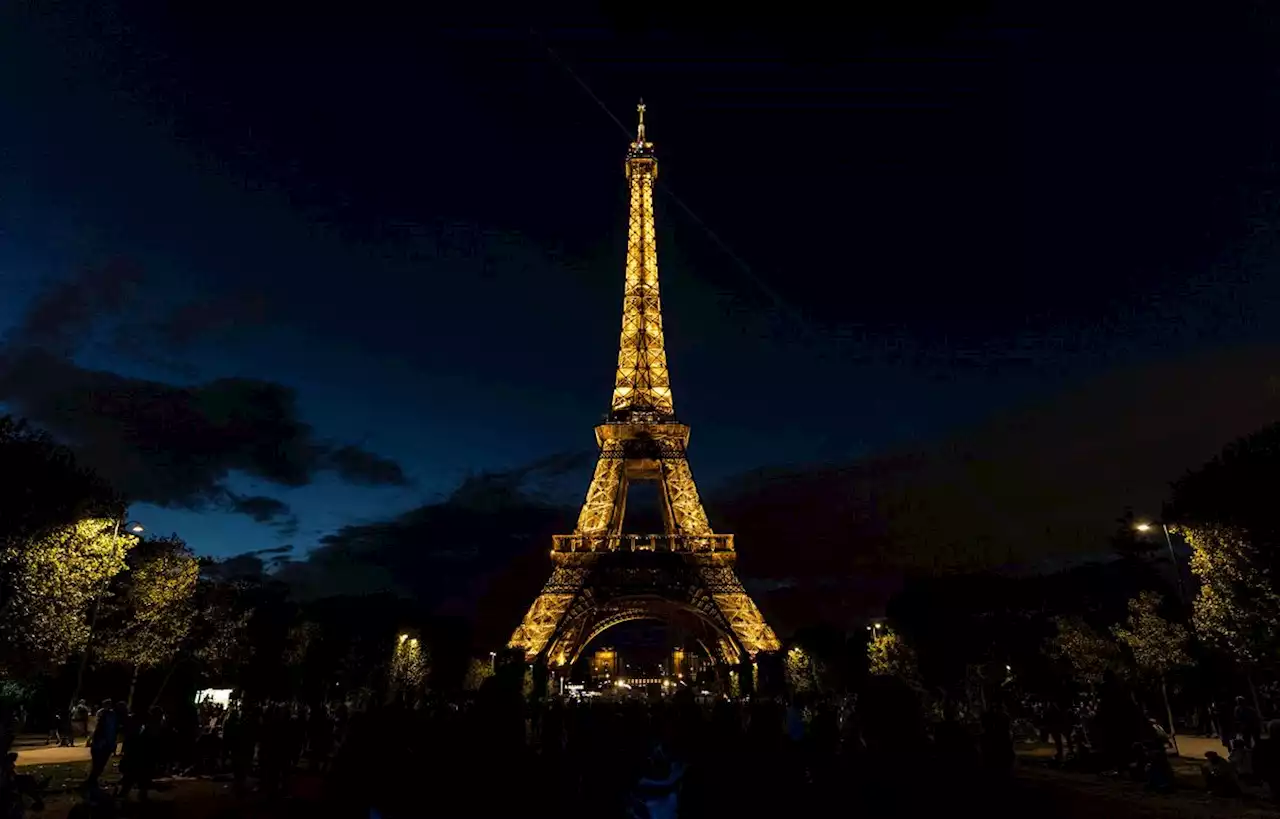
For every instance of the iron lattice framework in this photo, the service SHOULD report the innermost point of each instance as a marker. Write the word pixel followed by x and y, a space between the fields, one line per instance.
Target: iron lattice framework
pixel 602 577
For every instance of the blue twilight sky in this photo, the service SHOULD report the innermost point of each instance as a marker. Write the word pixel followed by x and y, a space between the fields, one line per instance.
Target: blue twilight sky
pixel 416 225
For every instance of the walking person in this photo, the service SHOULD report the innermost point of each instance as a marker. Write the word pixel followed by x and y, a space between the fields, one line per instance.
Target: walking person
pixel 102 744
pixel 77 725
pixel 1248 723
pixel 140 758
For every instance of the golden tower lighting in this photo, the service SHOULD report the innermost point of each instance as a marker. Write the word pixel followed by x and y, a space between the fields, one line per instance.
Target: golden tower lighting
pixel 602 576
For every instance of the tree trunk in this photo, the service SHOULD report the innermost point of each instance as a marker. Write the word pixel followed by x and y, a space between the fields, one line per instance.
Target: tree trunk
pixel 1253 690
pixel 84 655
pixel 172 667
pixel 1168 710
pixel 133 686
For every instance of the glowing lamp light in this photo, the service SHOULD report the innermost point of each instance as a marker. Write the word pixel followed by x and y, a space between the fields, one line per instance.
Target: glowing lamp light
pixel 137 528
pixel 1143 527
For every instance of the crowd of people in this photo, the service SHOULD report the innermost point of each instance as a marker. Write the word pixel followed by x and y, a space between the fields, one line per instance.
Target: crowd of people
pixel 497 756
pixel 497 753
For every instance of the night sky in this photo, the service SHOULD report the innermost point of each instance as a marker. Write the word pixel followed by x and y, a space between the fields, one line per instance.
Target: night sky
pixel 395 240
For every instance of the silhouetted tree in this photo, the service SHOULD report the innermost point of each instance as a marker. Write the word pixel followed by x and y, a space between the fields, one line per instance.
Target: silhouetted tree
pixel 1158 646
pixel 1226 512
pixel 1087 653
pixel 151 608
pixel 46 487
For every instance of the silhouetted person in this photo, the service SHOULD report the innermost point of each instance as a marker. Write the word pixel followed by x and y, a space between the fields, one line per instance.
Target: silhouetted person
pixel 1159 773
pixel 1266 759
pixel 103 742
pixel 1248 723
pixel 141 755
pixel 78 724
pixel 1215 720
pixel 997 740
pixel 1119 720
pixel 1219 776
pixel 1056 727
pixel 657 793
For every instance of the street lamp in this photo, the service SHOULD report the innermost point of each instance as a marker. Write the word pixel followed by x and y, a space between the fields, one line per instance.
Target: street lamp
pixel 1144 526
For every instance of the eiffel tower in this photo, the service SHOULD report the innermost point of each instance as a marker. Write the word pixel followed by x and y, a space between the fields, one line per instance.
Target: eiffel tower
pixel 602 577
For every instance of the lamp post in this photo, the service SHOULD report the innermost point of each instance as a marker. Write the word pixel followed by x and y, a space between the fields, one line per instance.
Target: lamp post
pixel 134 528
pixel 1173 558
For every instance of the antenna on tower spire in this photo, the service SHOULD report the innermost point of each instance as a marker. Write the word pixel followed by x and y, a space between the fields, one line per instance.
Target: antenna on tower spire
pixel 640 130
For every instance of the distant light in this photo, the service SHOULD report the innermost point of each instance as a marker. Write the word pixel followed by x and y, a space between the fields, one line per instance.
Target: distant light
pixel 1143 527
pixel 137 528
pixel 217 696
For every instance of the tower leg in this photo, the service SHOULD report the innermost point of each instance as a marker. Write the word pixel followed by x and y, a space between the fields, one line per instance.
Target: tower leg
pixel 737 608
pixel 606 497
pixel 548 610
pixel 680 495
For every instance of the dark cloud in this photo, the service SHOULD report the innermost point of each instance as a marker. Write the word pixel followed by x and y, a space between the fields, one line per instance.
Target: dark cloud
pixel 200 320
pixel 1044 482
pixel 360 466
pixel 172 445
pixel 481 552
pixel 65 314
pixel 266 510
pixel 547 479
pixel 274 552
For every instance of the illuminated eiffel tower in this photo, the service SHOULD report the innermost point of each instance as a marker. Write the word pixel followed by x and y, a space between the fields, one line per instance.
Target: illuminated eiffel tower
pixel 602 577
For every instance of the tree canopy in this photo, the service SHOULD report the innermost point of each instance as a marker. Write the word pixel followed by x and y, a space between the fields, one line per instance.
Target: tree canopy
pixel 1088 653
pixel 51 581
pixel 152 607
pixel 1225 510
pixel 47 488
pixel 1158 645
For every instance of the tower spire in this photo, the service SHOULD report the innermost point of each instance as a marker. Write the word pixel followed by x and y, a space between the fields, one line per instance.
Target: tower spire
pixel 642 387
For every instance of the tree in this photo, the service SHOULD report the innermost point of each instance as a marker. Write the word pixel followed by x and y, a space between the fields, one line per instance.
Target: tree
pixel 51 581
pixel 477 672
pixel 1235 489
pixel 1237 608
pixel 889 655
pixel 801 677
pixel 1088 653
pixel 48 489
pixel 150 612
pixel 409 667
pixel 219 635
pixel 1158 646
pixel 1225 510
